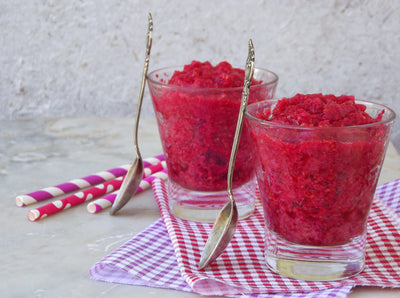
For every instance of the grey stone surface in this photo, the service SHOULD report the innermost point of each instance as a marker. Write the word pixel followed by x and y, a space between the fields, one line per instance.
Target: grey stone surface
pixel 52 257
pixel 83 58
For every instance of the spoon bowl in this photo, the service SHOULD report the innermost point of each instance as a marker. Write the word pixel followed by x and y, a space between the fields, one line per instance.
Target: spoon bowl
pixel 221 234
pixel 130 184
pixel 226 221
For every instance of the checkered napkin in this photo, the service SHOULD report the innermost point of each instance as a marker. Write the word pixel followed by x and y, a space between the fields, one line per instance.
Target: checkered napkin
pixel 167 256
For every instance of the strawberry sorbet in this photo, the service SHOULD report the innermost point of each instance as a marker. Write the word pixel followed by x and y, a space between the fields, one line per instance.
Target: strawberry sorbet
pixel 197 111
pixel 319 159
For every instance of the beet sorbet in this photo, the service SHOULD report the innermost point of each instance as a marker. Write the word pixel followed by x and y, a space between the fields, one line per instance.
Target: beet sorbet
pixel 197 109
pixel 319 159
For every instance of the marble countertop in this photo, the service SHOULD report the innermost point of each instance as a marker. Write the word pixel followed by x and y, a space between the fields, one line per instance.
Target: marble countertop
pixel 52 257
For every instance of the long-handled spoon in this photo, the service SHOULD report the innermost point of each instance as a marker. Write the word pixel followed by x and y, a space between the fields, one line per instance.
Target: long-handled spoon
pixel 135 173
pixel 225 224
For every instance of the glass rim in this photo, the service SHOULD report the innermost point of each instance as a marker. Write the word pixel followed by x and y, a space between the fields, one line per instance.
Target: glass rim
pixel 150 77
pixel 326 128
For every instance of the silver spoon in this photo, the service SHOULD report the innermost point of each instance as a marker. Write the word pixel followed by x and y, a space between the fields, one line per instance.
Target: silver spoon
pixel 135 173
pixel 225 224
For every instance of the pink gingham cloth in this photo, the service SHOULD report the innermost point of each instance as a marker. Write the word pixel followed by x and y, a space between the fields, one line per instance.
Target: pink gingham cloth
pixel 166 255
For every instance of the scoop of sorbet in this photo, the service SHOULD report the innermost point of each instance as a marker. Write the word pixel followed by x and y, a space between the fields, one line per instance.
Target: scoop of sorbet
pixel 205 75
pixel 318 110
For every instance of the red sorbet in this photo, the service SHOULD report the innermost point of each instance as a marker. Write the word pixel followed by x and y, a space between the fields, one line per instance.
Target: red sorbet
pixel 204 75
pixel 317 184
pixel 318 110
pixel 197 124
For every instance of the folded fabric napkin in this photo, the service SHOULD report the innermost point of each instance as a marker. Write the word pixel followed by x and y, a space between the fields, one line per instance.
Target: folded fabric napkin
pixel 167 253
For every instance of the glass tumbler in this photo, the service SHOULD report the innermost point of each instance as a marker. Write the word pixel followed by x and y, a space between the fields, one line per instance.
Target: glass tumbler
pixel 197 127
pixel 317 185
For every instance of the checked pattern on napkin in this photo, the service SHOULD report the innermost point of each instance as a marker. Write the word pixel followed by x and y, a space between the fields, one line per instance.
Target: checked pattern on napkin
pixel 148 259
pixel 157 258
pixel 241 268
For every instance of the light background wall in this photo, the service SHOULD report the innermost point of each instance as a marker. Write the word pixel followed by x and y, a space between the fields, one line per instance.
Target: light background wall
pixel 81 58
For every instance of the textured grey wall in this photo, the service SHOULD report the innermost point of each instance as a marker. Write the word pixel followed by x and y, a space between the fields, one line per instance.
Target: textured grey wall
pixel 81 58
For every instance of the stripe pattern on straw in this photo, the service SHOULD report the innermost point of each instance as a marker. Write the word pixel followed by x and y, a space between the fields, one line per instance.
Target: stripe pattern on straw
pixel 108 200
pixel 75 199
pixel 70 186
pixel 81 183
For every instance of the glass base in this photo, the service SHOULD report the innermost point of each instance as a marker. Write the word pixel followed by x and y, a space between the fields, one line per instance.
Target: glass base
pixel 316 263
pixel 205 206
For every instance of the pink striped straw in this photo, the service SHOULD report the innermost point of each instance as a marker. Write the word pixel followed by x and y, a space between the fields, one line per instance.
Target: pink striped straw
pixel 75 199
pixel 88 194
pixel 107 201
pixel 81 183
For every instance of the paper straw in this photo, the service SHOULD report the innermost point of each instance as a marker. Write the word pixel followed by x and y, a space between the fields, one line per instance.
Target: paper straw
pixel 88 194
pixel 81 183
pixel 107 201
pixel 147 171
pixel 75 199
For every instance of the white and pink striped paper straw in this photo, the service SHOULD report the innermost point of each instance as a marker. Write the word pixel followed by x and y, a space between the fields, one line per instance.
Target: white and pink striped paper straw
pixel 81 183
pixel 75 199
pixel 107 201
pixel 88 194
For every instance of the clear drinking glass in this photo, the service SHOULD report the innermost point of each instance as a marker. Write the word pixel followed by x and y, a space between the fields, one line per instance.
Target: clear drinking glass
pixel 197 126
pixel 317 186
